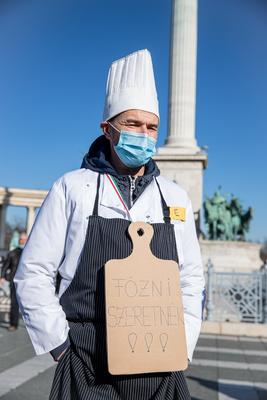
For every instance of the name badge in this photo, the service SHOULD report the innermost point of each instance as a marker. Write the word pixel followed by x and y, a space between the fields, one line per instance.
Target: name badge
pixel 177 213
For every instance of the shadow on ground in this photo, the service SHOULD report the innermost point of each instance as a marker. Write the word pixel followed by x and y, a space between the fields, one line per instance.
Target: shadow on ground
pixel 236 391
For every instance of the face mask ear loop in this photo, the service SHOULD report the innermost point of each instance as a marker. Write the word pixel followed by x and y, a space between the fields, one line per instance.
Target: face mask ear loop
pixel 116 129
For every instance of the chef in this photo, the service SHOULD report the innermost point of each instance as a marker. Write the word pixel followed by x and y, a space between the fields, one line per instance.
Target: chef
pixel 83 223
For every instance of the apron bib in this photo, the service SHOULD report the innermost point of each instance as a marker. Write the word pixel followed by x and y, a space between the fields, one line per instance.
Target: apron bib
pixel 82 372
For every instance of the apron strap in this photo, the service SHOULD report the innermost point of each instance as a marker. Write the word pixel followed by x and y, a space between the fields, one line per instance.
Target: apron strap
pixel 165 208
pixel 95 209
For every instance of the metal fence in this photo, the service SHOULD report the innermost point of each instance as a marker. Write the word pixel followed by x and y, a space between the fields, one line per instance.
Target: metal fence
pixel 231 296
pixel 236 296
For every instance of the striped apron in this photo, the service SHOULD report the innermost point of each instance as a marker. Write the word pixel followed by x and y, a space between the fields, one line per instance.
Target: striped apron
pixel 82 371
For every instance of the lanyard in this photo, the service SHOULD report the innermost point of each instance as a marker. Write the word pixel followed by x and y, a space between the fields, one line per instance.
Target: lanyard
pixel 117 191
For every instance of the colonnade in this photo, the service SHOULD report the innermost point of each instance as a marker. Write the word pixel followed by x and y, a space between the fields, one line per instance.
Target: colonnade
pixel 29 198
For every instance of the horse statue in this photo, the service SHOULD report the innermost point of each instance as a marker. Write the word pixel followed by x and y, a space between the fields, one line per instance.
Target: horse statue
pixel 217 217
pixel 226 220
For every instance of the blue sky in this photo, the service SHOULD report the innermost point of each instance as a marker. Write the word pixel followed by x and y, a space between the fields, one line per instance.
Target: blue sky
pixel 55 56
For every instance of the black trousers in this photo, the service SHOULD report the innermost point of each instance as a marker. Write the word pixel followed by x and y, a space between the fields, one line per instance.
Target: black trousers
pixel 14 310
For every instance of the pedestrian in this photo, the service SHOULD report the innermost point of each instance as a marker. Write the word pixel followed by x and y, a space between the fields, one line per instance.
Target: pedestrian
pixel 83 223
pixel 7 274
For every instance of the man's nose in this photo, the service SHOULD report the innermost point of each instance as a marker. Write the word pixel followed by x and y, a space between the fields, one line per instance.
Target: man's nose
pixel 145 129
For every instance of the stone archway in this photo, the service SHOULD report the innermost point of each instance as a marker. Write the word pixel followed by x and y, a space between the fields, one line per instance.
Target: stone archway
pixel 29 198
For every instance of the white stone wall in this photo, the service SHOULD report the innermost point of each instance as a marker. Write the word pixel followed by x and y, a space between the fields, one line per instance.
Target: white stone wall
pixel 228 256
pixel 187 172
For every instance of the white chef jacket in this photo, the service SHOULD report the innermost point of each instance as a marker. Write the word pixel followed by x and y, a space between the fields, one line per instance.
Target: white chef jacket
pixel 57 238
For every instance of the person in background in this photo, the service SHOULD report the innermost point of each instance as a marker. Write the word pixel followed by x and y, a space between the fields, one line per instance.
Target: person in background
pixel 7 274
pixel 14 242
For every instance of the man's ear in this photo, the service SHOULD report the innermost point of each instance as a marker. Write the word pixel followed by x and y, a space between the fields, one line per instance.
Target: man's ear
pixel 105 128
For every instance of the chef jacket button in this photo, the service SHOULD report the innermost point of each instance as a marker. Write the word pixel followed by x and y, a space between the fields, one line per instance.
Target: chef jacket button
pixel 88 184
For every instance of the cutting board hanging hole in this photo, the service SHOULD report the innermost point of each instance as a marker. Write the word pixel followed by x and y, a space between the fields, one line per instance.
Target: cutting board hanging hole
pixel 141 234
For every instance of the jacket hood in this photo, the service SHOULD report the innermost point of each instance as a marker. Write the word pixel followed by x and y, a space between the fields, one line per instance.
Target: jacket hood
pixel 98 159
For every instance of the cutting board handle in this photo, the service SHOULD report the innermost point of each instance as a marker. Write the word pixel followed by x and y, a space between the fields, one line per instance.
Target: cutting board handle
pixel 141 234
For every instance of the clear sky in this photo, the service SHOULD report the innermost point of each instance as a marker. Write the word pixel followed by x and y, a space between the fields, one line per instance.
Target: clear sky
pixel 55 56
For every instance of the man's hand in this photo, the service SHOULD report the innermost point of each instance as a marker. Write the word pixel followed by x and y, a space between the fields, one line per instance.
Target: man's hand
pixel 61 354
pixel 2 281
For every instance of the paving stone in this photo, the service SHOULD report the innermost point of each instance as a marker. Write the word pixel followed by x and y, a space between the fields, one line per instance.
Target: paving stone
pixel 206 355
pixel 203 381
pixel 231 357
pixel 253 345
pixel 28 391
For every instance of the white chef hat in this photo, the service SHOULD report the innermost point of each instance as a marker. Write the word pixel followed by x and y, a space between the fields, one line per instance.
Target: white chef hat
pixel 131 85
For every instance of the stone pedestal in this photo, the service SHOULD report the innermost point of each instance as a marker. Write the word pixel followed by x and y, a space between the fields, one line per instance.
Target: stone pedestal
pixel 187 171
pixel 228 256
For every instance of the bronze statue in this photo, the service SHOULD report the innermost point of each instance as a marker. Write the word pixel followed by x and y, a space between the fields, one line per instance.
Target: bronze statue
pixel 226 220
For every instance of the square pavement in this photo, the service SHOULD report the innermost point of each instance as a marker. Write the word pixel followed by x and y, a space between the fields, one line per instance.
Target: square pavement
pixel 228 367
pixel 223 368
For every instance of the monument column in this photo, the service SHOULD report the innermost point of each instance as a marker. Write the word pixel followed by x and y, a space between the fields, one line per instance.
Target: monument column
pixel 30 218
pixel 180 159
pixel 182 77
pixel 3 208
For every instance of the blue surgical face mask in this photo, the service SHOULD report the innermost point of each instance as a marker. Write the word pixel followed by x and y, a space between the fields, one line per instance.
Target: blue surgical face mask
pixel 134 149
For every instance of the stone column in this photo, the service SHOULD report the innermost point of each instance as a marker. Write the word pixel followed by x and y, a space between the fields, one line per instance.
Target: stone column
pixel 180 159
pixel 182 80
pixel 3 208
pixel 30 218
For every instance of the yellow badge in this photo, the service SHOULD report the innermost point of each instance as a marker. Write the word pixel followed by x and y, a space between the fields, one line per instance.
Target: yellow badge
pixel 177 213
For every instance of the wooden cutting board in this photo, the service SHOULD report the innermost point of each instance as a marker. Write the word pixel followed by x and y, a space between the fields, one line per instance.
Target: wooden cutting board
pixel 144 311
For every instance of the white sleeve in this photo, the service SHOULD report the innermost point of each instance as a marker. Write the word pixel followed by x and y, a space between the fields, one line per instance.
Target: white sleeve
pixel 35 277
pixel 192 281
